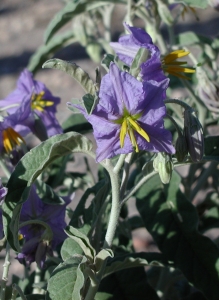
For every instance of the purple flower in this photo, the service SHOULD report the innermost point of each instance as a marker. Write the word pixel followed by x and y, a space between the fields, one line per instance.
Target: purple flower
pixel 1 225
pixel 38 243
pixel 129 116
pixel 153 68
pixel 128 46
pixel 14 127
pixel 38 98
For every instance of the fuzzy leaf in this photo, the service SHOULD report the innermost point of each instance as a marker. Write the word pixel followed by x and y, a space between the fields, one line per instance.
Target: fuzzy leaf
pixel 140 57
pixel 107 59
pixel 128 284
pixel 67 280
pixel 74 71
pixel 82 241
pixel 133 260
pixel 70 248
pixel 102 256
pixel 29 168
pixel 90 102
pixel 172 221
pixel 72 9
pixel 196 3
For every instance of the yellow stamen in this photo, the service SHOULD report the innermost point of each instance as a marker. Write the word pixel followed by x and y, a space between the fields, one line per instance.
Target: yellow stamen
pixel 174 55
pixel 129 124
pixel 123 133
pixel 141 131
pixel 11 139
pixel 133 139
pixel 176 68
pixel 38 103
pixel 20 236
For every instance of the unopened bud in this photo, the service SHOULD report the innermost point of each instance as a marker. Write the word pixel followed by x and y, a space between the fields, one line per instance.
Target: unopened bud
pixel 164 166
pixel 194 135
pixel 181 148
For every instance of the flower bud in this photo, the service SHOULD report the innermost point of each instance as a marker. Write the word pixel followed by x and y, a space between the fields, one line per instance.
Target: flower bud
pixel 193 135
pixel 181 148
pixel 164 166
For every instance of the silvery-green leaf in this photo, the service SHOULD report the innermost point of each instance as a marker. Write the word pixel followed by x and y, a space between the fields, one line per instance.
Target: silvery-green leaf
pixel 82 241
pixel 70 248
pixel 140 57
pixel 74 71
pixel 133 260
pixel 102 256
pixel 67 279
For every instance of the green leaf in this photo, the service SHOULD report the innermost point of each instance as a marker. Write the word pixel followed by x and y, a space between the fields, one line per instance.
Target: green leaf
pixel 71 10
pixel 140 57
pixel 70 248
pixel 67 280
pixel 164 12
pixel 44 52
pixel 135 222
pixel 82 241
pixel 172 221
pixel 76 122
pixel 107 59
pixel 212 145
pixel 47 194
pixel 128 284
pixel 196 3
pixel 89 215
pixel 103 296
pixel 190 38
pixel 133 260
pixel 94 50
pixel 74 71
pixel 210 219
pixel 102 256
pixel 29 168
pixel 90 102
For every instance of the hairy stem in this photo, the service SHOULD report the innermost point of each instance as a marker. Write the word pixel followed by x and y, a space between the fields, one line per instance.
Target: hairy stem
pixel 5 271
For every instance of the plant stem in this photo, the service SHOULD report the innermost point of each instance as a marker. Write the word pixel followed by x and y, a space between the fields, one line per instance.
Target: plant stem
pixel 138 185
pixel 5 271
pixel 112 224
pixel 17 290
pixel 119 163
pixel 115 210
pixel 37 278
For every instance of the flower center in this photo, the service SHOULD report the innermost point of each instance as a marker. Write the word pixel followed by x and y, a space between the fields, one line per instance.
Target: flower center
pixel 129 125
pixel 37 103
pixel 11 139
